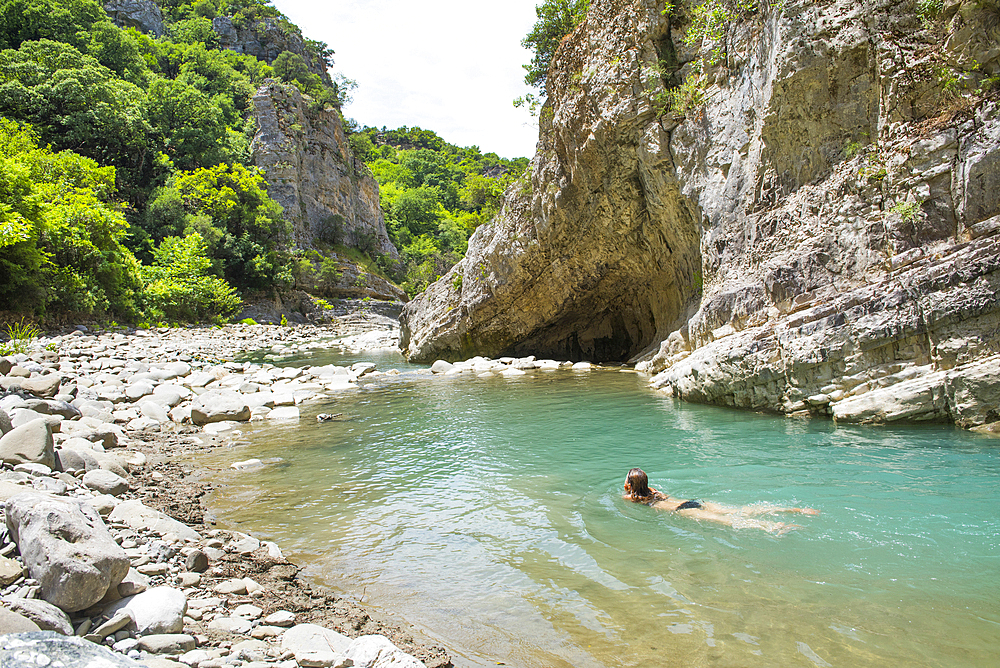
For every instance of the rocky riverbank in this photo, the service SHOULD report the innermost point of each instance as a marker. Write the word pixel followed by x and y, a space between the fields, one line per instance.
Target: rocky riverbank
pixel 107 550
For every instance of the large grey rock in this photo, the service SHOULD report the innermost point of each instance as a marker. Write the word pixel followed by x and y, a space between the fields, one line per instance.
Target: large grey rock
pixel 138 516
pixel 219 406
pixel 155 611
pixel 315 645
pixel 31 442
pixel 47 616
pixel 47 648
pixel 5 424
pixel 67 548
pixel 44 387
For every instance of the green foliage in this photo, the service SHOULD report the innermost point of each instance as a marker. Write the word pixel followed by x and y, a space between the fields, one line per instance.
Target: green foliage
pixel 434 195
pixel 907 210
pixel 20 334
pixel 179 287
pixel 248 321
pixel 60 232
pixel 928 10
pixel 284 320
pixel 556 19
pixel 456 282
pixel 329 274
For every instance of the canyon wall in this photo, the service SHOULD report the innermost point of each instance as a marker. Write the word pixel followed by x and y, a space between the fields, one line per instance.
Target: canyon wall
pixel 816 230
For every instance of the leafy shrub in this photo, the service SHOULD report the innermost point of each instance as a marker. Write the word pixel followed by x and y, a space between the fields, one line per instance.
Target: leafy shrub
pixel 20 334
pixel 179 287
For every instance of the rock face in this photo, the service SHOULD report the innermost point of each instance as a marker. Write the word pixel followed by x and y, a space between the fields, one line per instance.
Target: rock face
pixel 265 39
pixel 823 226
pixel 142 14
pixel 327 194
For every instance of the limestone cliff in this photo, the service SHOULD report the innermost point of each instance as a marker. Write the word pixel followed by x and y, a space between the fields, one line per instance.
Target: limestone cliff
pixel 144 15
pixel 327 194
pixel 817 232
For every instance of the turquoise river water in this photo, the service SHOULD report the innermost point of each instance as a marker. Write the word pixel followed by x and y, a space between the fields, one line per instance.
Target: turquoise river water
pixel 488 512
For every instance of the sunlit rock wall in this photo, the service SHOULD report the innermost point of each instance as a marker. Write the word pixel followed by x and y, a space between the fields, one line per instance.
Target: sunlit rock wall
pixel 819 237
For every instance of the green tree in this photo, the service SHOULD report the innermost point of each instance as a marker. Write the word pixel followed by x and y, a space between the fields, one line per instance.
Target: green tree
pixel 59 20
pixel 60 231
pixel 74 102
pixel 242 226
pixel 556 19
pixel 179 286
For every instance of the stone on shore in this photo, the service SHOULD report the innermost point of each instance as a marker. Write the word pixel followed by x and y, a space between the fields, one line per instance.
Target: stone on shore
pixel 47 648
pixel 5 424
pixel 441 366
pixel 138 516
pixel 376 651
pixel 313 645
pixel 219 406
pixel 167 643
pixel 105 482
pixel 155 611
pixel 45 615
pixel 67 548
pixel 10 571
pixel 31 442
pixel 12 623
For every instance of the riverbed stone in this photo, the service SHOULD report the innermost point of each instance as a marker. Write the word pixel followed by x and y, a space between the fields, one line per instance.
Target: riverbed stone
pixel 47 648
pixel 31 442
pixel 314 645
pixel 45 615
pixel 236 625
pixel 10 571
pixel 67 548
pixel 376 651
pixel 219 406
pixel 13 623
pixel 282 618
pixel 167 643
pixel 5 424
pixel 138 516
pixel 154 611
pixel 105 482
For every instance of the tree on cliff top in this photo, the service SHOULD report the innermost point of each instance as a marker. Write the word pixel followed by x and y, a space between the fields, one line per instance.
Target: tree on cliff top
pixel 556 19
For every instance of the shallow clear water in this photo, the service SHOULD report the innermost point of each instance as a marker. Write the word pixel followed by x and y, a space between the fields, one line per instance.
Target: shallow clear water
pixel 488 512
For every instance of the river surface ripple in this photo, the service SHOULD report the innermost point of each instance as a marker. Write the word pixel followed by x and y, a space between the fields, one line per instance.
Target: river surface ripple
pixel 488 513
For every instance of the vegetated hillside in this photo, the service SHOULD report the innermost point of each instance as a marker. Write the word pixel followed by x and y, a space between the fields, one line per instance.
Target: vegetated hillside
pixel 434 195
pixel 787 207
pixel 126 180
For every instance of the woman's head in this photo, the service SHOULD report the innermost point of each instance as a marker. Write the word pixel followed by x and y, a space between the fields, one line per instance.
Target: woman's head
pixel 637 484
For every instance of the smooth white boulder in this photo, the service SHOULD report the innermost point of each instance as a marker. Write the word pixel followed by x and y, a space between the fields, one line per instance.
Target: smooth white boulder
pixel 376 651
pixel 219 406
pixel 105 482
pixel 155 611
pixel 314 645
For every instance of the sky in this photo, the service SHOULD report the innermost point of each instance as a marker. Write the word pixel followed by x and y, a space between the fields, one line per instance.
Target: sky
pixel 451 66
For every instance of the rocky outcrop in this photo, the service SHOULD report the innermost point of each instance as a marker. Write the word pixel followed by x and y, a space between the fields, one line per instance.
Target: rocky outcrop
pixel 816 232
pixel 144 15
pixel 327 194
pixel 266 39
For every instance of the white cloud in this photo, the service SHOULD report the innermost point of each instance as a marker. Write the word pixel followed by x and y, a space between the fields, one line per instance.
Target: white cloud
pixel 451 66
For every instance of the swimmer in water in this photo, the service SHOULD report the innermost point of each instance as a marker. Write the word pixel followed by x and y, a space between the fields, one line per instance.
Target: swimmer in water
pixel 637 490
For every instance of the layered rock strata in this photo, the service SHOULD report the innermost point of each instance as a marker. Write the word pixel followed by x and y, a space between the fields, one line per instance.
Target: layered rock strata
pixel 327 194
pixel 816 232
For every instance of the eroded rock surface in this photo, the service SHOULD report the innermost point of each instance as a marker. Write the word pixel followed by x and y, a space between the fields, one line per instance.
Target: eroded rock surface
pixel 326 193
pixel 823 226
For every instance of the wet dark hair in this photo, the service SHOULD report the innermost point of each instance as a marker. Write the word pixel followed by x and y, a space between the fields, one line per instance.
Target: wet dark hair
pixel 639 483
